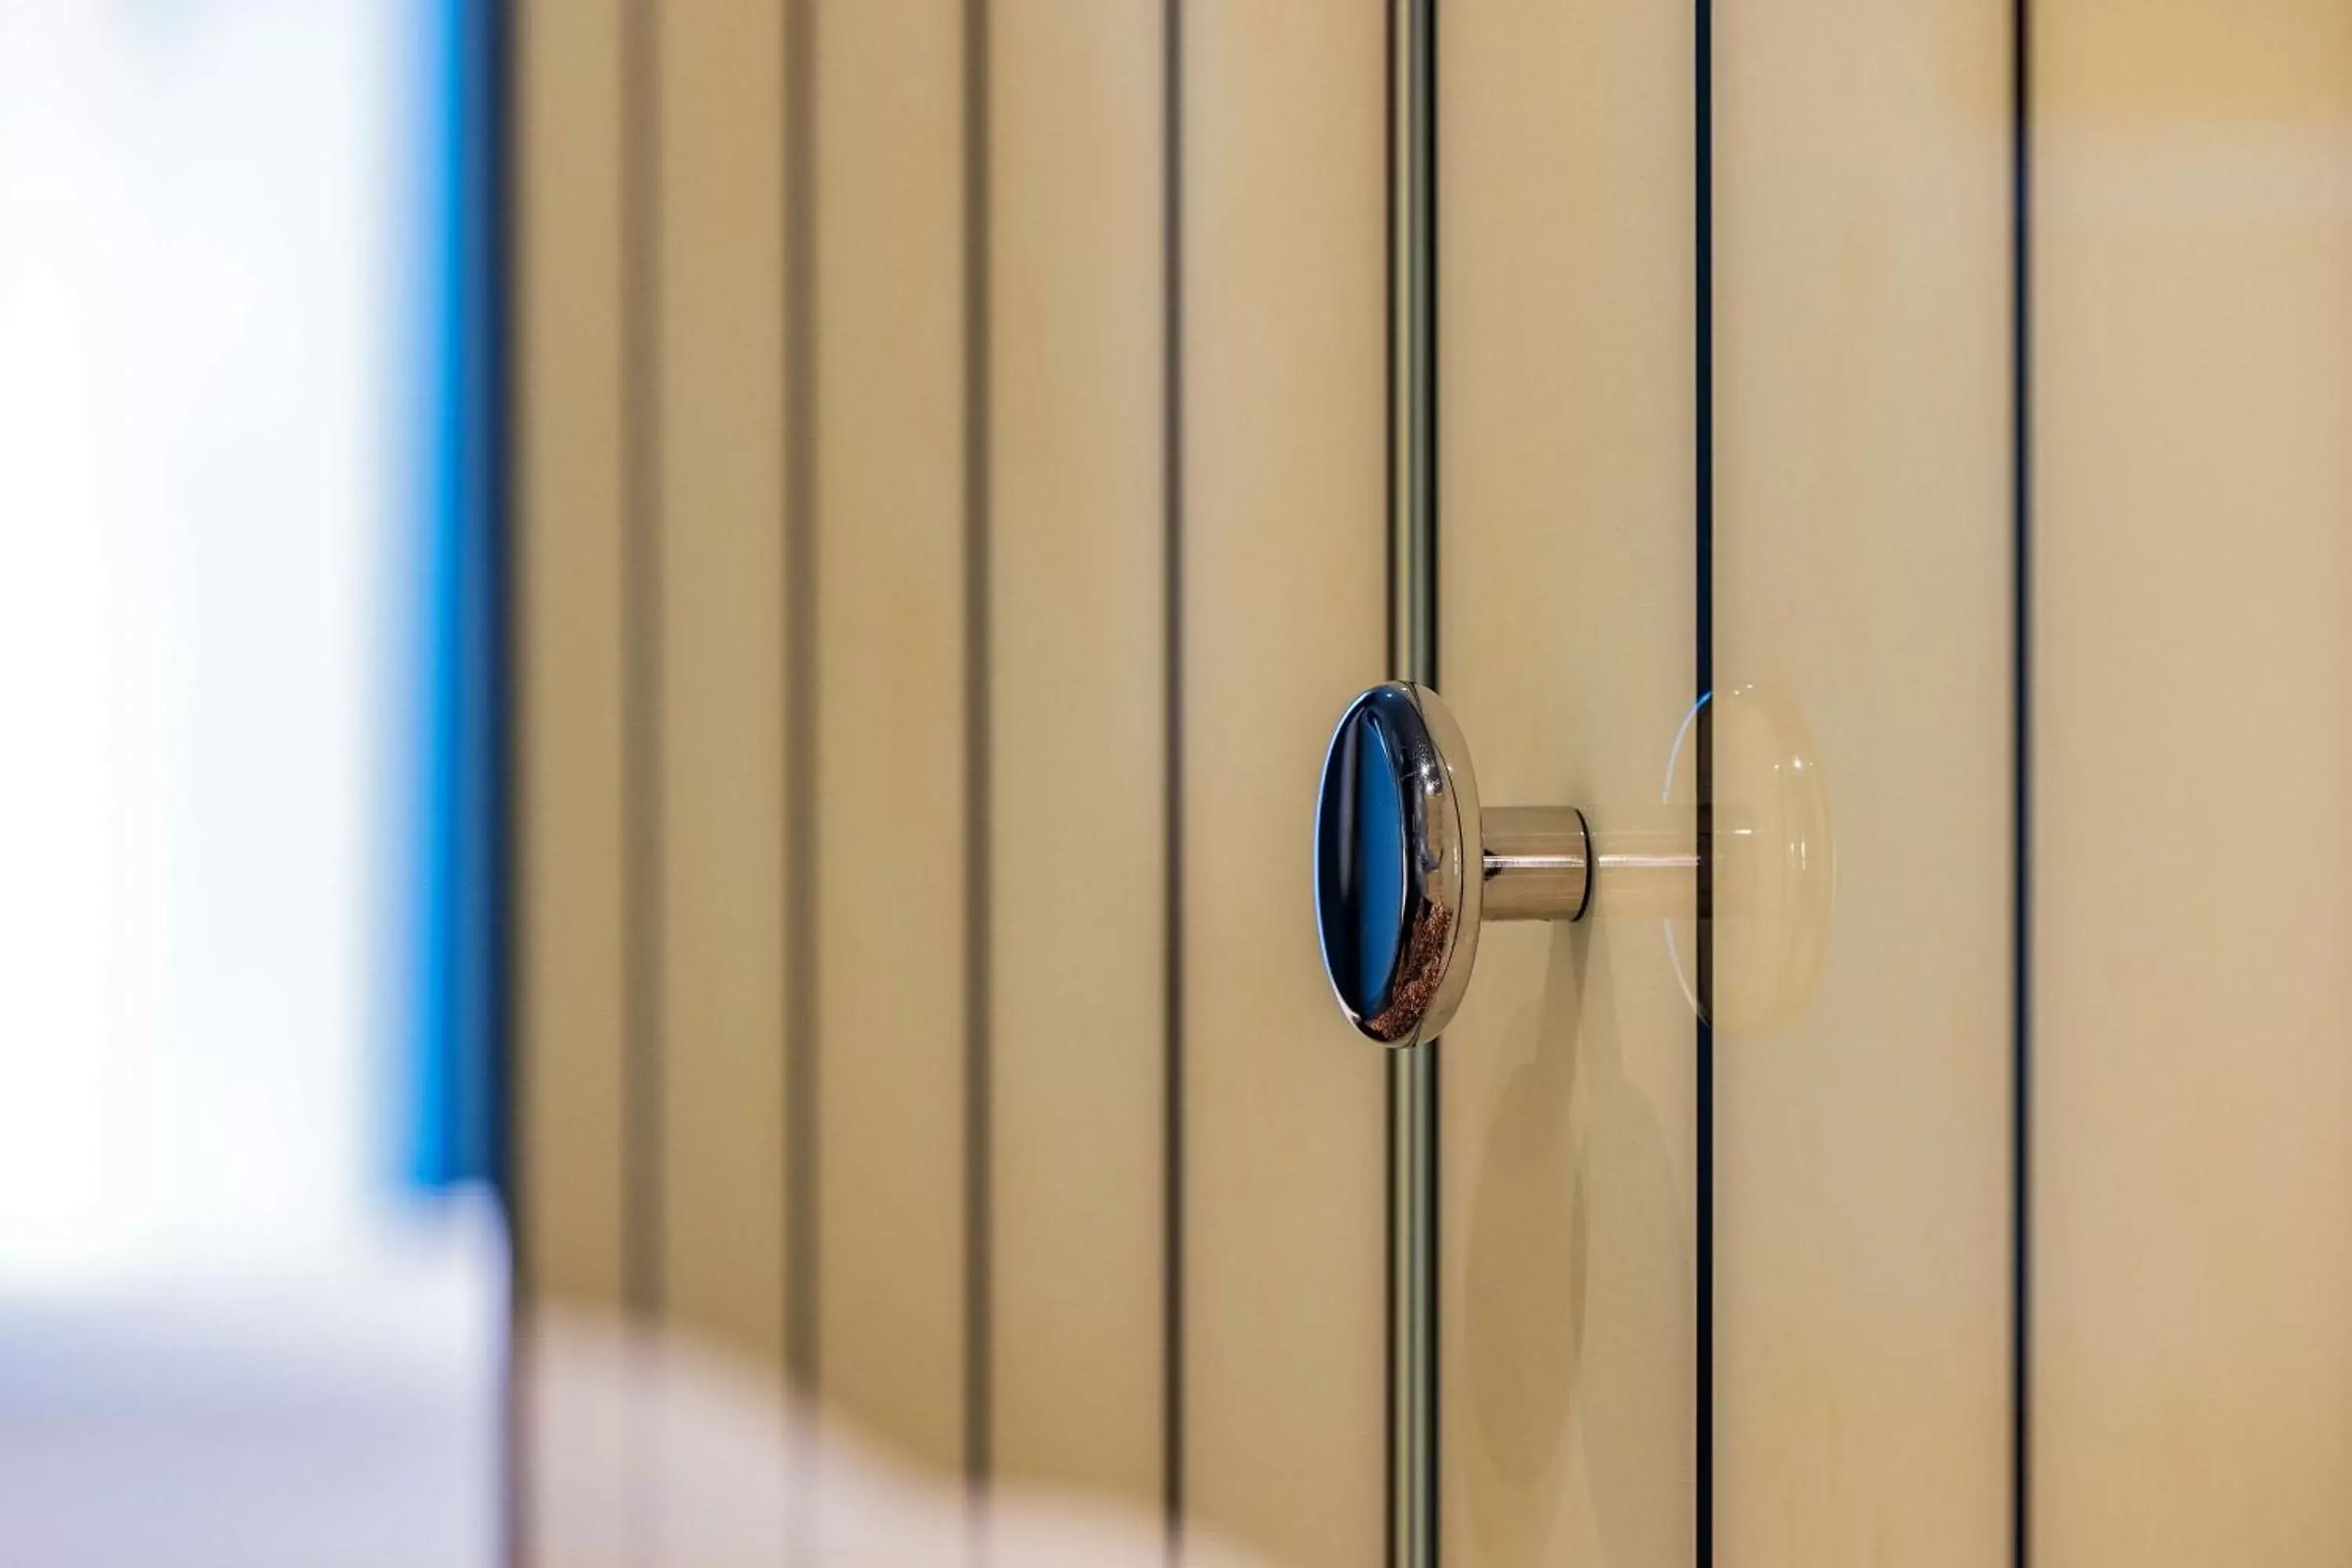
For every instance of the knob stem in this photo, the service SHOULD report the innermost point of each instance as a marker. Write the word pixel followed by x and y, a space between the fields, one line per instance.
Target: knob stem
pixel 1538 863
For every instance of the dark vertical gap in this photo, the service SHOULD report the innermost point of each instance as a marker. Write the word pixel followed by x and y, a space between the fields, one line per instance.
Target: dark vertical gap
pixel 1431 1077
pixel 1412 1124
pixel 642 872
pixel 1392 1370
pixel 1393 368
pixel 801 1043
pixel 1393 283
pixel 1429 1059
pixel 978 1080
pixel 1172 394
pixel 492 34
pixel 1412 342
pixel 1429 410
pixel 1704 740
pixel 2021 354
pixel 641 732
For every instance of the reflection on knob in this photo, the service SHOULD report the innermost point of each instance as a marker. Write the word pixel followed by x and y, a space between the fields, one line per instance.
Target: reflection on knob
pixel 1775 871
pixel 1406 867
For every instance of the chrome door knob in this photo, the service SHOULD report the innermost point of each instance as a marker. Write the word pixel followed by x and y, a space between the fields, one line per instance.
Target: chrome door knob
pixel 1407 865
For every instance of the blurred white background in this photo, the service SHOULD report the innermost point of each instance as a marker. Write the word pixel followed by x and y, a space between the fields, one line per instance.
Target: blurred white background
pixel 227 1331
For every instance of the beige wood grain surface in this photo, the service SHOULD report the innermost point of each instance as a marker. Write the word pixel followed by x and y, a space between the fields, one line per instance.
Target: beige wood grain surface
pixel 721 377
pixel 1079 744
pixel 890 746
pixel 2193 690
pixel 567 549
pixel 1285 580
pixel 569 975
pixel 1566 636
pixel 1863 600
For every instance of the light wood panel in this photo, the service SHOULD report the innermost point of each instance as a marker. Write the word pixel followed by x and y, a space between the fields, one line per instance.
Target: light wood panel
pixel 1863 606
pixel 1566 631
pixel 570 973
pixel 717 228
pixel 2192 1196
pixel 1285 580
pixel 1078 744
pixel 568 545
pixel 890 744
pixel 720 407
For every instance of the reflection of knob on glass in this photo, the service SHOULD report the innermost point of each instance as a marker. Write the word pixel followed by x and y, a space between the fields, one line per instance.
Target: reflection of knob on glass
pixel 1775 871
pixel 1399 827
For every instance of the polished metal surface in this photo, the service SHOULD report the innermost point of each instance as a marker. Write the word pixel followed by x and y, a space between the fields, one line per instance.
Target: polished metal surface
pixel 1400 820
pixel 1397 824
pixel 1539 863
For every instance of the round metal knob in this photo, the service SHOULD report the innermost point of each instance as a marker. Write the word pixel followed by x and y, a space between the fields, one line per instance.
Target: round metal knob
pixel 1407 866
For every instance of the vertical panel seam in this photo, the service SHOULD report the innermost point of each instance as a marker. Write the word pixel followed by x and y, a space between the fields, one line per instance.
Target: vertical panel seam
pixel 642 872
pixel 1393 1372
pixel 1429 1174
pixel 641 736
pixel 802 1045
pixel 1703 302
pixel 978 1078
pixel 500 26
pixel 1173 1214
pixel 2020 805
pixel 1411 1122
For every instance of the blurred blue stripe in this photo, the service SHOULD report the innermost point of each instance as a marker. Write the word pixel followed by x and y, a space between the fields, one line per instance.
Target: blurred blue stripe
pixel 457 1046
